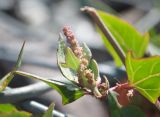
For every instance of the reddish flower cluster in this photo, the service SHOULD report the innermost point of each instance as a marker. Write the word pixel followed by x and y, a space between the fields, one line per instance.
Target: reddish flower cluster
pixel 72 41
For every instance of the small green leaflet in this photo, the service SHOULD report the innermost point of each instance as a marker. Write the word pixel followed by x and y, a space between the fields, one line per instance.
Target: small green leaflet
pixel 86 51
pixel 144 75
pixel 94 67
pixel 49 112
pixel 71 61
pixel 69 91
pixel 125 34
pixel 8 77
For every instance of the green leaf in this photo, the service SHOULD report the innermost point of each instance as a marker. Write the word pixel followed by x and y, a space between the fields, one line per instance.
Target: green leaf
pixel 71 61
pixel 69 91
pixel 49 112
pixel 8 77
pixel 8 110
pixel 86 51
pixel 144 75
pixel 19 60
pixel 94 67
pixel 114 106
pixel 116 110
pixel 132 111
pixel 125 34
pixel 67 72
pixel 15 114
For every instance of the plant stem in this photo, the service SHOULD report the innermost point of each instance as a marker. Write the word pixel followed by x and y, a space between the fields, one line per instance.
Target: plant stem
pixel 93 13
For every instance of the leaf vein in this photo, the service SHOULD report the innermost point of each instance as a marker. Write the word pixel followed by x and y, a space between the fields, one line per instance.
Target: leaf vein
pixel 146 78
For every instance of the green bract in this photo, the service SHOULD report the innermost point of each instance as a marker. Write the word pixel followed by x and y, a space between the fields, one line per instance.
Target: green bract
pixel 67 72
pixel 94 67
pixel 71 61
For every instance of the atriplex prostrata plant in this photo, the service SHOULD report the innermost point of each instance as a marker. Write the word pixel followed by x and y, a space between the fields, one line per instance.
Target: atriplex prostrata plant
pixel 78 59
pixel 125 44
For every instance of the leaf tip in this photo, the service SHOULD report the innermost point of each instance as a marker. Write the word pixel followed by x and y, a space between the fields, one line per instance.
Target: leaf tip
pixel 19 60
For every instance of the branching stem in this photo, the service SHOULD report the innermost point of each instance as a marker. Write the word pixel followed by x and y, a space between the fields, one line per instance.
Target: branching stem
pixel 93 13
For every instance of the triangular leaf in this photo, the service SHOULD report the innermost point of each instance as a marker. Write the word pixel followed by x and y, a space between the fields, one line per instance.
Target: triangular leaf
pixel 68 91
pixel 49 112
pixel 125 34
pixel 110 49
pixel 144 75
pixel 67 72
pixel 8 77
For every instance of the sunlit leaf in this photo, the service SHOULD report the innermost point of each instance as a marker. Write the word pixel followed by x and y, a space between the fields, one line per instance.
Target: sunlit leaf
pixel 144 75
pixel 125 34
pixel 49 112
pixel 8 77
pixel 8 110
pixel 69 91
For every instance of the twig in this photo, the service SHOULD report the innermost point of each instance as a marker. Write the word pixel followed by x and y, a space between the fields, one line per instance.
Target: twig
pixel 26 92
pixel 92 12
